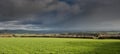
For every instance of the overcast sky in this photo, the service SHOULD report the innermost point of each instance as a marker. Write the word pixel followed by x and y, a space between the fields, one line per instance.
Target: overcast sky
pixel 80 15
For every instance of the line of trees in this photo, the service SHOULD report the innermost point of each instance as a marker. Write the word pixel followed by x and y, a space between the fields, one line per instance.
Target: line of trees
pixel 90 35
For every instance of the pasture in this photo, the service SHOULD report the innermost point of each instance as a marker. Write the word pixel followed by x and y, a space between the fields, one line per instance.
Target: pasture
pixel 58 46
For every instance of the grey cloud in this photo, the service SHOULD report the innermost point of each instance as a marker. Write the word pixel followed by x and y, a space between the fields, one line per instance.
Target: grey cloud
pixel 19 8
pixel 62 14
pixel 14 25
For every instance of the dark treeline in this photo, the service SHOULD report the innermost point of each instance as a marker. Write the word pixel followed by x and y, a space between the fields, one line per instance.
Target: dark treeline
pixel 90 35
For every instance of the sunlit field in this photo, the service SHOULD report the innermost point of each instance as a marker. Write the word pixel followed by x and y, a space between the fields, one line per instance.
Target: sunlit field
pixel 58 46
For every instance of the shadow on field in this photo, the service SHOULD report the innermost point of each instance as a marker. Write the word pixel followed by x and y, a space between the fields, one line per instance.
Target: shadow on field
pixel 107 48
pixel 97 47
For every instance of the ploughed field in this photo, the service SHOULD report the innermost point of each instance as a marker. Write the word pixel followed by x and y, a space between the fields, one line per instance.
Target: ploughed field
pixel 58 46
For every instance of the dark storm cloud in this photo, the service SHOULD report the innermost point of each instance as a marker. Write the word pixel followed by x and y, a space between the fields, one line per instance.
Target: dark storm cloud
pixel 12 9
pixel 70 14
pixel 40 9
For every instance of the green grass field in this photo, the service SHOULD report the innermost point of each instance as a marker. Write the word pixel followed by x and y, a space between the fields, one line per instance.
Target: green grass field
pixel 58 46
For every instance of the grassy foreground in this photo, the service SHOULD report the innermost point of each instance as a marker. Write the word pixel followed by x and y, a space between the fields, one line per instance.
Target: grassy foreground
pixel 58 46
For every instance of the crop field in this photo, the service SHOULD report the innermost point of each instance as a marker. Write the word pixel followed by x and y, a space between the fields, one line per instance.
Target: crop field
pixel 58 46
